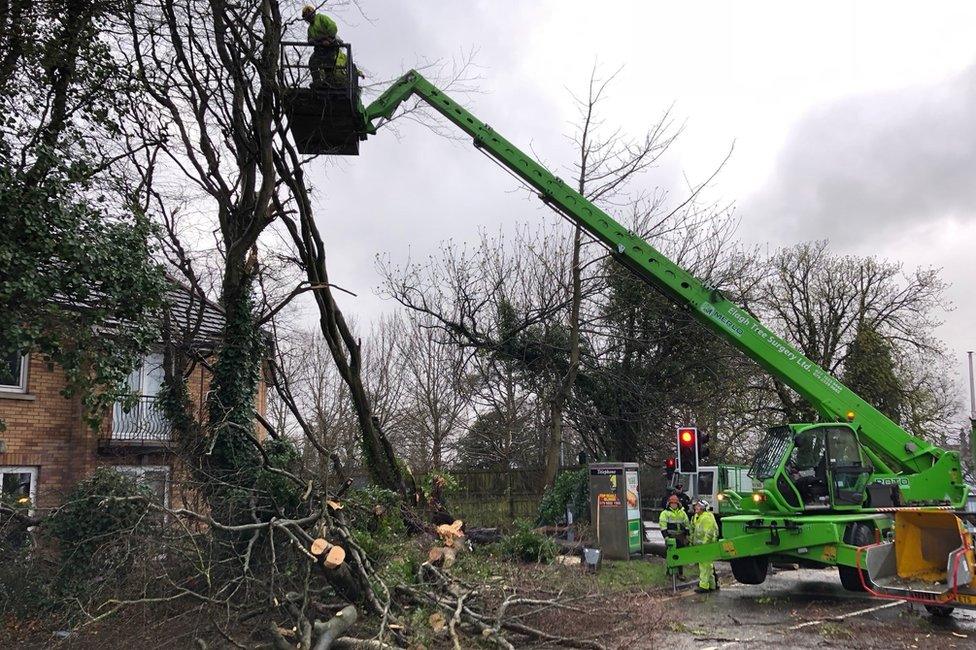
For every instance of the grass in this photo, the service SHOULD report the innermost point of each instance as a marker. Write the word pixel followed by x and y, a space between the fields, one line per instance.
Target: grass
pixel 485 564
pixel 634 574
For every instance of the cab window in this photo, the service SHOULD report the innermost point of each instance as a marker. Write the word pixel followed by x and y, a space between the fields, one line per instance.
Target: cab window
pixel 848 468
pixel 706 481
pixel 807 467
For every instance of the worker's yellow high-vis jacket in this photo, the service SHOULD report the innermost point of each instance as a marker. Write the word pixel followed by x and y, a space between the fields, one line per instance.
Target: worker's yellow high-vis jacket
pixel 321 27
pixel 704 528
pixel 675 516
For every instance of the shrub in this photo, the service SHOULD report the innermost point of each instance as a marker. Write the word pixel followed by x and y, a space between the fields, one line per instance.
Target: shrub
pixel 570 488
pixel 284 495
pixel 24 584
pixel 437 485
pixel 375 522
pixel 95 526
pixel 527 545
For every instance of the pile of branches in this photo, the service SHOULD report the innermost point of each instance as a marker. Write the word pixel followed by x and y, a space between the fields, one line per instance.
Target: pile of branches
pixel 489 611
pixel 284 582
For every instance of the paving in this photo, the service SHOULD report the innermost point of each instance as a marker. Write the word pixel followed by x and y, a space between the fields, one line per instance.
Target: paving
pixel 806 609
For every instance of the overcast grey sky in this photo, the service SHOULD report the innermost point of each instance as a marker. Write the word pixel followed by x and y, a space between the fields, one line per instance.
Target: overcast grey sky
pixel 852 121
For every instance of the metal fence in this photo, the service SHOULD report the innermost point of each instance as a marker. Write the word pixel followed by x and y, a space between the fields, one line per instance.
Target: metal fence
pixel 144 421
pixel 296 57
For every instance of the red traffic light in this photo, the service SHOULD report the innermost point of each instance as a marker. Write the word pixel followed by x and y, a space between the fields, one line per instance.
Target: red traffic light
pixel 669 463
pixel 687 449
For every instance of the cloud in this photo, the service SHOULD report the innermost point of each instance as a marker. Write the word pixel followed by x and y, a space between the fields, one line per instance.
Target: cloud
pixel 878 165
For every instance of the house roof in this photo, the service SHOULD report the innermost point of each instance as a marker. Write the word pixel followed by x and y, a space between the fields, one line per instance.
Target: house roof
pixel 197 320
pixel 193 317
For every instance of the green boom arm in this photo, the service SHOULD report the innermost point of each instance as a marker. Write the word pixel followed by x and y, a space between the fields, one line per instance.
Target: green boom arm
pixel 894 449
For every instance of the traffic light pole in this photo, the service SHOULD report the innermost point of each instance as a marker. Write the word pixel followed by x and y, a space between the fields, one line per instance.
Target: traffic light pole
pixel 972 417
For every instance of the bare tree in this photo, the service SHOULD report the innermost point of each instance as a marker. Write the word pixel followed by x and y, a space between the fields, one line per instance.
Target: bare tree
pixel 437 389
pixel 820 301
pixel 608 162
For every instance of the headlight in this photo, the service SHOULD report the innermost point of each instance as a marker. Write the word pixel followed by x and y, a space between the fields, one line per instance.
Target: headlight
pixel 758 497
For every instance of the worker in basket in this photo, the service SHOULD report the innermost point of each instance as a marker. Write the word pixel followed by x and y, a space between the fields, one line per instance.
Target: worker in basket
pixel 674 523
pixel 329 61
pixel 704 530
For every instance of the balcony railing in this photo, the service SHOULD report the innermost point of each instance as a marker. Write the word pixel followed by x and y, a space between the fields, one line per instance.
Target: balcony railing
pixel 144 422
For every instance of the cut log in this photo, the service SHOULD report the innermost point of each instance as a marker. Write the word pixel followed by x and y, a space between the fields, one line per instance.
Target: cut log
pixel 333 505
pixel 451 533
pixel 336 627
pixel 330 554
pixel 450 555
pixel 319 546
pixel 349 643
pixel 334 557
pixel 483 535
pixel 343 581
pixel 442 556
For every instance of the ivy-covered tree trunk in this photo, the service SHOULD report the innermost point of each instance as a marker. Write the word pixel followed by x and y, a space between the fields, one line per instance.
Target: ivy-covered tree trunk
pixel 232 456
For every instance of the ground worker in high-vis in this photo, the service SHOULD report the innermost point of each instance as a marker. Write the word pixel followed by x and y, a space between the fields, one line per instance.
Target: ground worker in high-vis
pixel 675 515
pixel 704 530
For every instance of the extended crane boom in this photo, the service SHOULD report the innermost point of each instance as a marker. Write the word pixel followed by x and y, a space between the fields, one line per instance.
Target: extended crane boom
pixel 892 449
pixel 824 492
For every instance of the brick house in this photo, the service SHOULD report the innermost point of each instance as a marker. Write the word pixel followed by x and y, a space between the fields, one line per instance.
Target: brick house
pixel 47 447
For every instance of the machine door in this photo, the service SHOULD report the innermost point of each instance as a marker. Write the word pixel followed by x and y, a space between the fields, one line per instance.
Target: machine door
pixel 706 486
pixel 807 468
pixel 849 470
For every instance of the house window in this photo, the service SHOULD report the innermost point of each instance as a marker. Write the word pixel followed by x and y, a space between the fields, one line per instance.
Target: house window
pixel 19 485
pixel 155 477
pixel 13 373
pixel 144 419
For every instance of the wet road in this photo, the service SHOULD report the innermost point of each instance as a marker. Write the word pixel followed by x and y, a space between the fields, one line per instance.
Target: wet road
pixel 807 609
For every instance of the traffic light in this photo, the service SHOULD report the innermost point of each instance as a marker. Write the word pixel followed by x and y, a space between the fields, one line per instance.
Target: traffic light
pixel 669 467
pixel 703 451
pixel 687 449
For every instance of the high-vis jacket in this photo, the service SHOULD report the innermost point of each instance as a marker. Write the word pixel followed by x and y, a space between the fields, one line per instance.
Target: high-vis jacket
pixel 675 516
pixel 704 528
pixel 321 26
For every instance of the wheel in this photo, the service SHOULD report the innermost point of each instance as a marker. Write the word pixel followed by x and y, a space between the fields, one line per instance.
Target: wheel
pixel 750 570
pixel 856 535
pixel 940 611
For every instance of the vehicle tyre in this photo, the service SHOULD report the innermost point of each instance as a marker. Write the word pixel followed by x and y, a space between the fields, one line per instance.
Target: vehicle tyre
pixel 939 611
pixel 750 570
pixel 856 535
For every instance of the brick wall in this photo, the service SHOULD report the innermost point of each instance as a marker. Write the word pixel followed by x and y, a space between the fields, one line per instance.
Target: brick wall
pixel 45 430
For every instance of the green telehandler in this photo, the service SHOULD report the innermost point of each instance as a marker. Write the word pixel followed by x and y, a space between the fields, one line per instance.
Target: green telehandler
pixel 854 490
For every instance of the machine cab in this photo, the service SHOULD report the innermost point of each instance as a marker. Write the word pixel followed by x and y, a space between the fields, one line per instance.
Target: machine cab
pixel 321 97
pixel 812 467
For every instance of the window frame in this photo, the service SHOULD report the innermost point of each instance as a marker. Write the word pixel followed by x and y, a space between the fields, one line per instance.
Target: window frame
pixel 21 387
pixel 138 473
pixel 710 473
pixel 34 472
pixel 143 369
pixel 123 421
